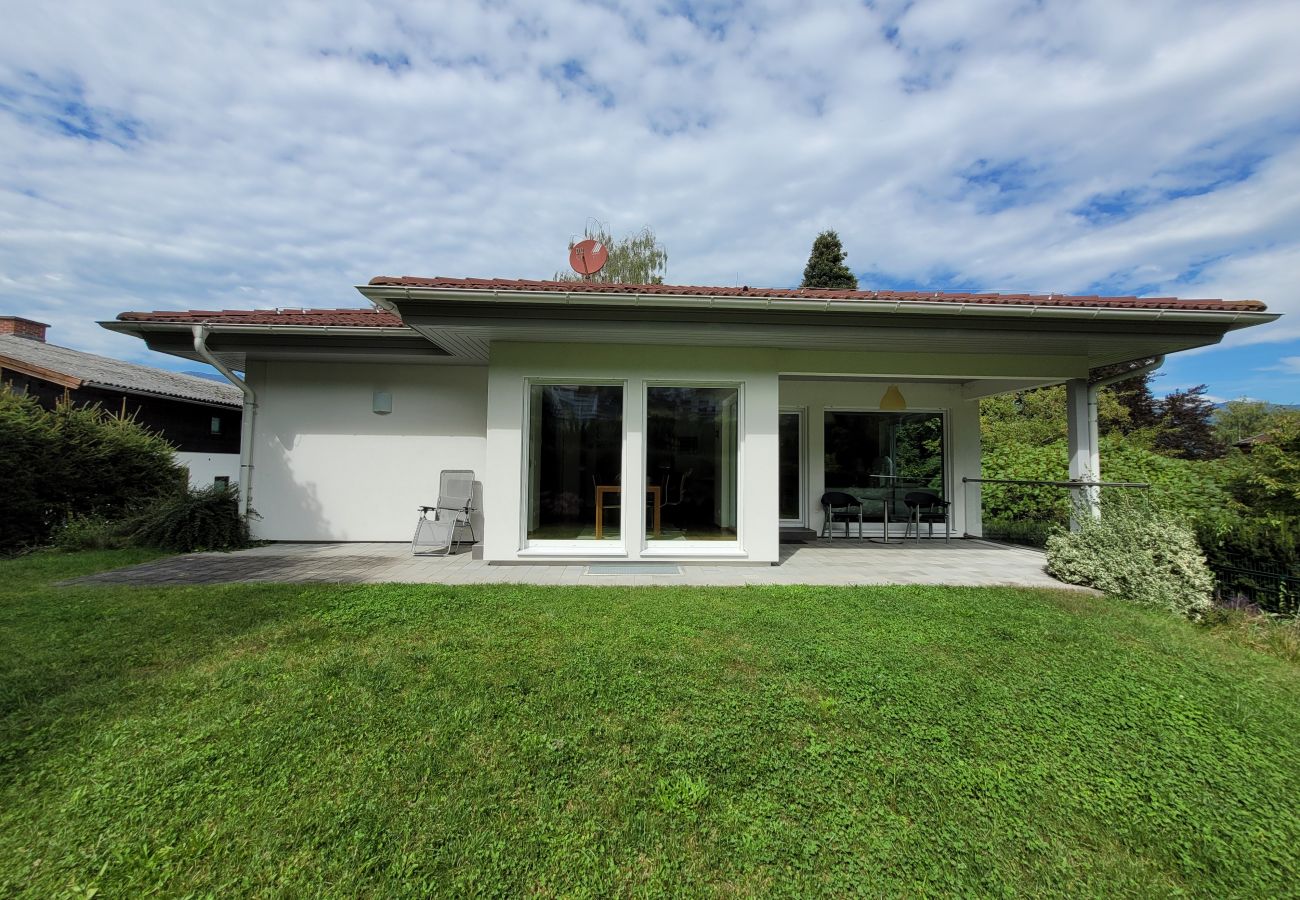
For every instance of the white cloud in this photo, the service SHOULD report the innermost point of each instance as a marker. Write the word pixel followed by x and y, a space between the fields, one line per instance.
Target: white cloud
pixel 285 153
pixel 1288 364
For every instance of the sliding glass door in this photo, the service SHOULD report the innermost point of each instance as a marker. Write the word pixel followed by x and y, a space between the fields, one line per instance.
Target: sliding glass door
pixel 575 462
pixel 879 457
pixel 692 455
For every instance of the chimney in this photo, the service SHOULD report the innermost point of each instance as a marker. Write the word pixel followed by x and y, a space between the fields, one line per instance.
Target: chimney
pixel 24 328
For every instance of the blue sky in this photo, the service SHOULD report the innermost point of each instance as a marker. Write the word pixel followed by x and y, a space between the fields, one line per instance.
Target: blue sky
pixel 265 154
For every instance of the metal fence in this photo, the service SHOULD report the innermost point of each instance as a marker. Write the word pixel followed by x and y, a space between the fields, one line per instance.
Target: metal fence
pixel 1240 581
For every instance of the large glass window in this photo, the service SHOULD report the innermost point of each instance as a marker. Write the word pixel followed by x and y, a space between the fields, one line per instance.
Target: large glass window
pixel 879 457
pixel 691 456
pixel 575 462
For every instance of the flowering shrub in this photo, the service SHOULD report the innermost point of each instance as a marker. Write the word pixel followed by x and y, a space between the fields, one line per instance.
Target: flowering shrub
pixel 1138 553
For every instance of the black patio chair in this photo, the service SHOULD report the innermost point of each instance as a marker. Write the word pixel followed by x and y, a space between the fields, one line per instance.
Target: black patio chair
pixel 838 505
pixel 927 507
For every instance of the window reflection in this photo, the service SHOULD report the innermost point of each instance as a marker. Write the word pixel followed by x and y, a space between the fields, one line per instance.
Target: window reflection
pixel 575 462
pixel 879 457
pixel 691 459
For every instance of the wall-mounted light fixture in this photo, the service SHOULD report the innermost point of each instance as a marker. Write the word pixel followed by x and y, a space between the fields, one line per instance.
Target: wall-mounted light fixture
pixel 893 400
pixel 383 403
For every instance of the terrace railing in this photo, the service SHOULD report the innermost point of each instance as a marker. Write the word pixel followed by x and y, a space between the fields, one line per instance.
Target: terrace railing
pixel 1027 510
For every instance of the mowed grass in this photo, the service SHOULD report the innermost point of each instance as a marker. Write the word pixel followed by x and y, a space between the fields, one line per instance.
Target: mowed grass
pixel 413 740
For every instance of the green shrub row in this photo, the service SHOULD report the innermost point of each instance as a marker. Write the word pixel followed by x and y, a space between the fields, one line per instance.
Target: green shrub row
pixel 75 461
pixel 187 521
pixel 1027 532
pixel 1185 487
pixel 89 480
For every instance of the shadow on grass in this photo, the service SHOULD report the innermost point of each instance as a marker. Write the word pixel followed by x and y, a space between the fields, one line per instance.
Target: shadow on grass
pixel 76 656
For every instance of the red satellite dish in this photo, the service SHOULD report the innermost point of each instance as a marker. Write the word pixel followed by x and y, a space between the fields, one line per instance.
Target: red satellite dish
pixel 588 257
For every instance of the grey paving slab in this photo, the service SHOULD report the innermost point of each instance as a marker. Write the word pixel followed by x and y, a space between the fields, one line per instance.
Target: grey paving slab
pixel 838 562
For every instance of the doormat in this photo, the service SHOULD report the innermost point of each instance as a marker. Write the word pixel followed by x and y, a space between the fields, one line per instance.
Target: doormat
pixel 633 569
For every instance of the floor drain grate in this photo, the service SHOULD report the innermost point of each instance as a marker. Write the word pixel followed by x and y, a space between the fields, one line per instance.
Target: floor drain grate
pixel 633 569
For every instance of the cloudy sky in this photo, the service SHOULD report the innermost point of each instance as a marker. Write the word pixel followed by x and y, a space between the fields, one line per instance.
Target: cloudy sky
pixel 230 154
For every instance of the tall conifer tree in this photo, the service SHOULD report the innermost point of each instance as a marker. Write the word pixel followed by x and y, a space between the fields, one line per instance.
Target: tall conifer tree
pixel 826 268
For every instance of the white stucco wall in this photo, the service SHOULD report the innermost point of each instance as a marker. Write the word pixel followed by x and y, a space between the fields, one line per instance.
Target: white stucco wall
pixel 328 468
pixel 513 365
pixel 814 398
pixel 205 467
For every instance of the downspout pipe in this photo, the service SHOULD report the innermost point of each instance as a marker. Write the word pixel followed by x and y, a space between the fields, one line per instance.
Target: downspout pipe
pixel 201 333
pixel 1094 433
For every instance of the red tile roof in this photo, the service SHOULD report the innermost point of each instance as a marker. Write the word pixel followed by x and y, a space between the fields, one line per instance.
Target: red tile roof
pixel 346 318
pixel 512 284
pixel 374 318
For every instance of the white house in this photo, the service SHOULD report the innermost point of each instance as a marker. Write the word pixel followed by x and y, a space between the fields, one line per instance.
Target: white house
pixel 732 409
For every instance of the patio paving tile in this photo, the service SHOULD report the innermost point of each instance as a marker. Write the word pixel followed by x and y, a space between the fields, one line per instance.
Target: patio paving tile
pixel 839 562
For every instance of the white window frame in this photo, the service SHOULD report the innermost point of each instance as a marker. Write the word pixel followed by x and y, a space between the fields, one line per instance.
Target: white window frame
pixel 569 548
pixel 947 466
pixel 714 549
pixel 802 413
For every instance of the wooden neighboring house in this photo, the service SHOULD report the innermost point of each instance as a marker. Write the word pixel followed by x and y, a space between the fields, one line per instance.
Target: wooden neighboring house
pixel 201 418
pixel 1245 445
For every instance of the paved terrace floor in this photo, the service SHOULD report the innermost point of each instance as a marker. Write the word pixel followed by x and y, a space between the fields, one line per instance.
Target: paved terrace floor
pixel 838 562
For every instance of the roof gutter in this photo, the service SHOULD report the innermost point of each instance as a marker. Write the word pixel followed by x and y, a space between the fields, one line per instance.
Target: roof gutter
pixel 131 326
pixel 201 333
pixel 385 296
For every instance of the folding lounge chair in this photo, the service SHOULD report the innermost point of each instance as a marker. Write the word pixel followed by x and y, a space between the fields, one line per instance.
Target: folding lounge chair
pixel 452 511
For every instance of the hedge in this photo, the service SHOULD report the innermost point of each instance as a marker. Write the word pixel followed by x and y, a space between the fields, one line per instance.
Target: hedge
pixel 1185 487
pixel 75 461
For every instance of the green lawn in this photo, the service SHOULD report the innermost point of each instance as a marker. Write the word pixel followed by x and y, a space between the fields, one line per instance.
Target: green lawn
pixel 389 740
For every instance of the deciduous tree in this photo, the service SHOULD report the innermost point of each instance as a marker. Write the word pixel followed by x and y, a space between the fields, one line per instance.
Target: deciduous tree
pixel 1267 479
pixel 633 259
pixel 1187 425
pixel 1237 420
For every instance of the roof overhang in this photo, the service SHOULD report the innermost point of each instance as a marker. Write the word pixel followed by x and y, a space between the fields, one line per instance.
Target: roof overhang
pixel 32 370
pixel 235 345
pixel 465 322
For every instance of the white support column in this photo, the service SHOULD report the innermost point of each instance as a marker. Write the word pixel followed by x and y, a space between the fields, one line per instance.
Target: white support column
pixel 1082 431
pixel 965 453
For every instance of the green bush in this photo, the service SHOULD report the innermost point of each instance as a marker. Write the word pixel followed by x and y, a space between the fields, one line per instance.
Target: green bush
pixel 1022 502
pixel 74 461
pixel 1020 531
pixel 205 519
pixel 1136 552
pixel 92 533
pixel 1267 479
pixel 1189 488
pixel 1193 489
